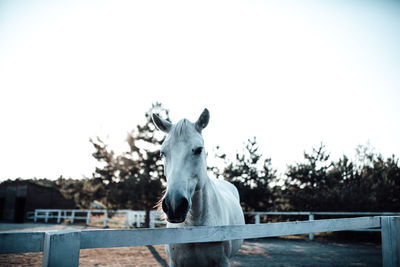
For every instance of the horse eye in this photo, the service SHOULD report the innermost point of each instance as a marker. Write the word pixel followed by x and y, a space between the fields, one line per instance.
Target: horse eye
pixel 162 154
pixel 197 151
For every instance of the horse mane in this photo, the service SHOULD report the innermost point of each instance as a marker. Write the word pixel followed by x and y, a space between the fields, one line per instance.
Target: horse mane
pixel 158 206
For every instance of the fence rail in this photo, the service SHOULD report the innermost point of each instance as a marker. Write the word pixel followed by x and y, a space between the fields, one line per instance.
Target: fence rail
pixel 61 248
pixel 137 217
pixel 311 216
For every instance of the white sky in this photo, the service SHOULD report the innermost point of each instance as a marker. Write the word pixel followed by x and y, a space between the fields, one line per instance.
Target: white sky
pixel 292 73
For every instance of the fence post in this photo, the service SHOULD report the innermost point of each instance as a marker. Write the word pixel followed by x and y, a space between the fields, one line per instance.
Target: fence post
pixel 127 220
pixel 35 216
pixel 137 220
pixel 390 234
pixel 88 218
pixel 311 218
pixel 61 249
pixel 152 223
pixel 59 216
pixel 105 219
pixel 72 216
pixel 46 216
pixel 257 219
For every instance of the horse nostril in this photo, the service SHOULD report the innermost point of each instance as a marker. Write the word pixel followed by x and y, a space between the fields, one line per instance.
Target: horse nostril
pixel 175 208
pixel 164 206
pixel 183 206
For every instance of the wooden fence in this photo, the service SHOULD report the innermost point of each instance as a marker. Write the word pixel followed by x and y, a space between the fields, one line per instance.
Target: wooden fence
pixel 131 217
pixel 312 214
pixel 61 248
pixel 137 217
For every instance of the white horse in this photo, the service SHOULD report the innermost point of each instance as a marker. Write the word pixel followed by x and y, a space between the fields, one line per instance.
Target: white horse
pixel 194 199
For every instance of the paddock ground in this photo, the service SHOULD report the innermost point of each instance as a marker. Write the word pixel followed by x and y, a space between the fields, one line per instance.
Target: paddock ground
pixel 254 252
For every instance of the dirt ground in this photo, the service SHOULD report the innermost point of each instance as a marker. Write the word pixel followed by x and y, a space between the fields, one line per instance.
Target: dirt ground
pixel 256 252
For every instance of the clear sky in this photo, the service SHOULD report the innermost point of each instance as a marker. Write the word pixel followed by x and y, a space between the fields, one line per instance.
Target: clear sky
pixel 292 73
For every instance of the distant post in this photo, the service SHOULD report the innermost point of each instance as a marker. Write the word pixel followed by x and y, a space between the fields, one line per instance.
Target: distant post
pixel 127 219
pixel 72 216
pixel 105 219
pixel 311 218
pixel 152 223
pixel 138 219
pixel 61 249
pixel 88 218
pixel 390 234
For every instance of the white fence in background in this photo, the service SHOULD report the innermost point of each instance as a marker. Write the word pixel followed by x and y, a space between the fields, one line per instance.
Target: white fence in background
pixel 131 217
pixel 311 216
pixel 61 248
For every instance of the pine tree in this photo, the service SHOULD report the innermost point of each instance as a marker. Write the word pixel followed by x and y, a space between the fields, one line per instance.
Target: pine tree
pixel 133 179
pixel 252 176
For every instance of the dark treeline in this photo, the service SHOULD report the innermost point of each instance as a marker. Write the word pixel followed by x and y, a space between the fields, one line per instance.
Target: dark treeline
pixel 371 183
pixel 134 179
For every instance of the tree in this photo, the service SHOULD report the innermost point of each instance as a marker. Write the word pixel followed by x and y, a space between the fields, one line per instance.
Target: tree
pixel 370 184
pixel 381 183
pixel 144 143
pixel 133 179
pixel 308 185
pixel 252 176
pixel 81 191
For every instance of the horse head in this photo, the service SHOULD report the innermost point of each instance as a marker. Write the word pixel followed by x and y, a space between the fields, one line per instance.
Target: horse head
pixel 184 164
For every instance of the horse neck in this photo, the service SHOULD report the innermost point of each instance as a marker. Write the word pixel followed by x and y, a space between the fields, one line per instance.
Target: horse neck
pixel 204 202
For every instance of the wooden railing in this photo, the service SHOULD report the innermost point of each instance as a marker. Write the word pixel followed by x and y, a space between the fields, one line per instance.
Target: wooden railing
pixel 61 248
pixel 137 217
pixel 131 217
pixel 312 214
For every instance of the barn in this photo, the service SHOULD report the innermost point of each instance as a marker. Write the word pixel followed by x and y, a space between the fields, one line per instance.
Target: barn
pixel 19 197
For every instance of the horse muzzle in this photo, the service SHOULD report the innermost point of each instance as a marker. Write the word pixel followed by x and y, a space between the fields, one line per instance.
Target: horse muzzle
pixel 176 208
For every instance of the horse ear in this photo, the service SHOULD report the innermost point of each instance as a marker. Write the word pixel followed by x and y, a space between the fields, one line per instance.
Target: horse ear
pixel 161 124
pixel 202 122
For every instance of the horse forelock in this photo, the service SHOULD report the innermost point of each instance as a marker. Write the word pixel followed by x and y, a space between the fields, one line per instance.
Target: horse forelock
pixel 182 130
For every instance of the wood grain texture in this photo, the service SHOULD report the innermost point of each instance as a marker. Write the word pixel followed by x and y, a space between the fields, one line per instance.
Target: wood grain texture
pixel 61 249
pixel 21 242
pixel 141 237
pixel 391 241
pixel 33 241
